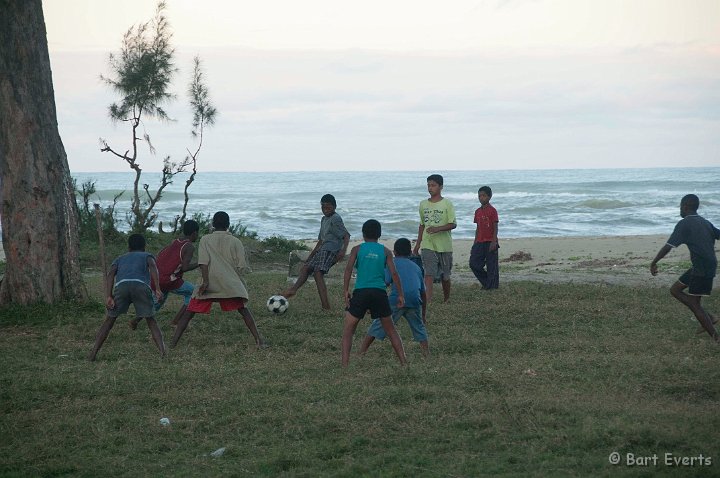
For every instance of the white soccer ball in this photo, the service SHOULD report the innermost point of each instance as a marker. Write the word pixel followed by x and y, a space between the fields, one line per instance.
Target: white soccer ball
pixel 277 304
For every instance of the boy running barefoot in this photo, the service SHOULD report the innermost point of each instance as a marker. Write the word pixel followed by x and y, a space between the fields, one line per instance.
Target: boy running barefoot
pixel 699 235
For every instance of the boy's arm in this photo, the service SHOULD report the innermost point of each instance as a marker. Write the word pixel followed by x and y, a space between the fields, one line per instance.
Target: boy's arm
pixel 341 253
pixel 205 280
pixel 421 230
pixel 390 264
pixel 186 257
pixel 348 274
pixel 494 242
pixel 661 253
pixel 155 276
pixel 109 284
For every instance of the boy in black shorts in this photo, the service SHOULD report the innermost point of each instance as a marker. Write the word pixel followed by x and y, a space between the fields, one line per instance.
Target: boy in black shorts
pixel 370 259
pixel 700 236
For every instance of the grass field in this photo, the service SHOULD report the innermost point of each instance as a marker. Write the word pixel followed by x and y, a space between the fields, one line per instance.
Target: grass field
pixel 531 379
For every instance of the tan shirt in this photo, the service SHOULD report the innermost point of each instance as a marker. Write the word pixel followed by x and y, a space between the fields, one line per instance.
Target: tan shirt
pixel 224 255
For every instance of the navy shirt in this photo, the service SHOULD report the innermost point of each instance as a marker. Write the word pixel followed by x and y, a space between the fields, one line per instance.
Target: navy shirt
pixel 699 235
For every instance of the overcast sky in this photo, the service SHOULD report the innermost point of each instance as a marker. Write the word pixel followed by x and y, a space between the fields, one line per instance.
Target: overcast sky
pixel 409 85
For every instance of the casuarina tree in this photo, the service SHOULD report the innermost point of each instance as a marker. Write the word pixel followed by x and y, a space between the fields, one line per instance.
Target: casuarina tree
pixel 38 209
pixel 142 74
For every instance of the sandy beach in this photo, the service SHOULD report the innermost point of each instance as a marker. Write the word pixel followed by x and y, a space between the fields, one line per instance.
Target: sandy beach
pixel 610 259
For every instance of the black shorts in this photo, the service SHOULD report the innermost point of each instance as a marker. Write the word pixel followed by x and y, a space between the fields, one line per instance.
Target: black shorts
pixel 697 285
pixel 374 300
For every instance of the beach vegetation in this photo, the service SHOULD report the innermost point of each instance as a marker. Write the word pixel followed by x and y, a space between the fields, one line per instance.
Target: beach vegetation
pixel 531 380
pixel 142 75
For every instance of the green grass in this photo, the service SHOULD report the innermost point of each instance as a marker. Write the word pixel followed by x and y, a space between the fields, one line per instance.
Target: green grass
pixel 530 379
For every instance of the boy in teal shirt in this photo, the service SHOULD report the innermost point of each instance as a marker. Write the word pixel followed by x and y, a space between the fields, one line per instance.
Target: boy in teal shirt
pixel 370 258
pixel 414 311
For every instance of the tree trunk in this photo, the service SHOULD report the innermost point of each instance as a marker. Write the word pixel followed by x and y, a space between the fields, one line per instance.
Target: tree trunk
pixel 38 210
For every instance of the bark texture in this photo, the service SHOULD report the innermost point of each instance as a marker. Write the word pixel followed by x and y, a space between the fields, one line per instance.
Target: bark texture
pixel 38 210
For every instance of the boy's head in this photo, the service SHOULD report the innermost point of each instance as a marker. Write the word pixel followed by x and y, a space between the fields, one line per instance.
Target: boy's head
pixel 221 221
pixel 191 229
pixel 434 184
pixel 136 243
pixel 484 195
pixel 328 204
pixel 402 247
pixel 371 230
pixel 689 204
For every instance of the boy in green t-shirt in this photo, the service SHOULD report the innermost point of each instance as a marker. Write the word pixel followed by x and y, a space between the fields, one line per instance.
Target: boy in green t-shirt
pixel 437 219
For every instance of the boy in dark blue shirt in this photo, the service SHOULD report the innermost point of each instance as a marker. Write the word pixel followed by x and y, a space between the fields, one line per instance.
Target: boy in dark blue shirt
pixel 700 236
pixel 128 282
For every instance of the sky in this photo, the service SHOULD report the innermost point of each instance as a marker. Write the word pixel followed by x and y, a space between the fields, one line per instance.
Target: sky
pixel 407 85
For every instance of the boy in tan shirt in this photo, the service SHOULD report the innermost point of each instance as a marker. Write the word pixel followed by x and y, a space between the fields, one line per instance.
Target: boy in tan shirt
pixel 221 257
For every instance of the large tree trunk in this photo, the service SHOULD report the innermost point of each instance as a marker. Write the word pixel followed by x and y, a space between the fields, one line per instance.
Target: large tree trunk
pixel 39 214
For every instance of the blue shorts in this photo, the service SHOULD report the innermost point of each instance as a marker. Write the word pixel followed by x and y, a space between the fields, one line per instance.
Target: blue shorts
pixel 185 290
pixel 414 320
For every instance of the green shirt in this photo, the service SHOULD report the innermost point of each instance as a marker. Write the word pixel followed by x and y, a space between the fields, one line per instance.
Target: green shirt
pixel 433 214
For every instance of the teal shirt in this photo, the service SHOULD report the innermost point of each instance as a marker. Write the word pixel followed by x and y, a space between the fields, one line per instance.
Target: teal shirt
pixel 370 265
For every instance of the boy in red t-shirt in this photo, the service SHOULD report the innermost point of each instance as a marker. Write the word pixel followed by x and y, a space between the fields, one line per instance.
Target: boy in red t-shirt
pixel 484 253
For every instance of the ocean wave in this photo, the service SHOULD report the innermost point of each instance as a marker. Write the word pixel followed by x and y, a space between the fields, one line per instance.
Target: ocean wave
pixel 604 204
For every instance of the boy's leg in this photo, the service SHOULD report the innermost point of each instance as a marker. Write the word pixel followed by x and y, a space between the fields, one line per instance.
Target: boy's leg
pixel 250 324
pixel 477 262
pixel 181 326
pixel 429 288
pixel 375 331
pixel 322 289
pixel 395 340
pixel 351 323
pixel 101 335
pixel 446 289
pixel 185 291
pixel 692 302
pixel 302 278
pixel 493 269
pixel 701 329
pixel 179 314
pixel 156 334
pixel 366 343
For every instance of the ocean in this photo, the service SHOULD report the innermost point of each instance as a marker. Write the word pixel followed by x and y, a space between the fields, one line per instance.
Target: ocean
pixel 530 203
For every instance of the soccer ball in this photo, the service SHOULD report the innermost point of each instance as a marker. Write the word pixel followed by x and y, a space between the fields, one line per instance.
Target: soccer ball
pixel 277 304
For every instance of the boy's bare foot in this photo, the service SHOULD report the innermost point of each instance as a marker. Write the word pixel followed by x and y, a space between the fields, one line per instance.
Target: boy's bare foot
pixel 133 323
pixel 701 329
pixel 262 345
pixel 287 293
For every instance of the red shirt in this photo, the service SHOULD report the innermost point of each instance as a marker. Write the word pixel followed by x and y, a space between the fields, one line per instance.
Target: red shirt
pixel 169 264
pixel 485 218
